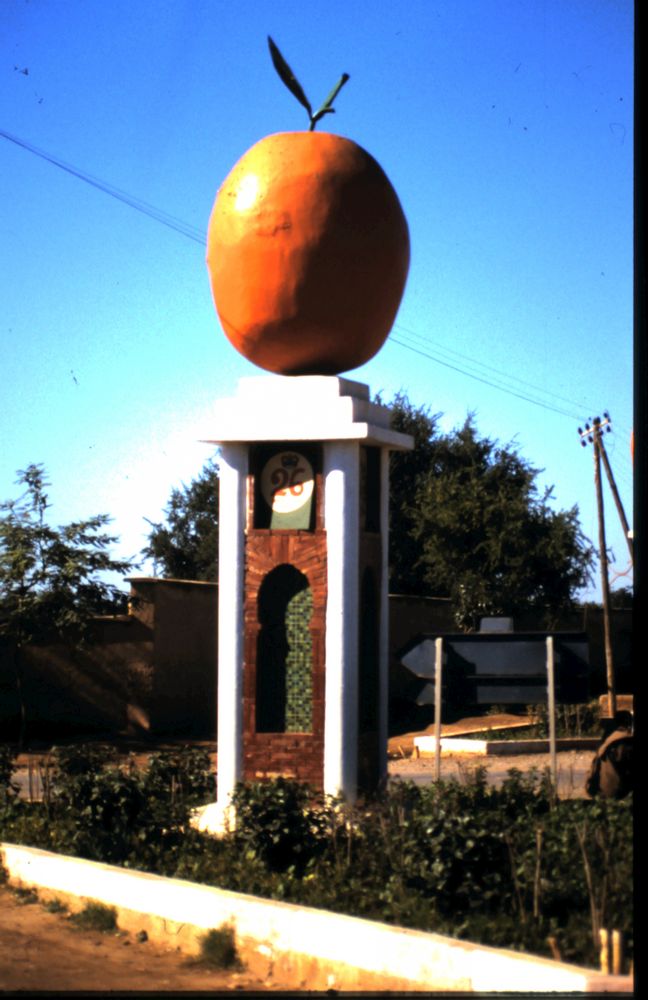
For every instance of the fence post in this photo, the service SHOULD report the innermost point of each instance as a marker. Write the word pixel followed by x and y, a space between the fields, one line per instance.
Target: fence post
pixel 551 708
pixel 438 670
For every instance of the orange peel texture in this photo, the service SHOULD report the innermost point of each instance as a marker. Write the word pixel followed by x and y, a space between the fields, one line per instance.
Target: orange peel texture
pixel 307 252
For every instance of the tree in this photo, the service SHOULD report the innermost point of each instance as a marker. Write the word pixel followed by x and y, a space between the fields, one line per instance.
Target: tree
pixel 622 597
pixel 406 575
pixel 186 547
pixel 469 523
pixel 51 581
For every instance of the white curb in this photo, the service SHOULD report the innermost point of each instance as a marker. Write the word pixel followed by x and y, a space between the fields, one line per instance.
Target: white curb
pixel 297 946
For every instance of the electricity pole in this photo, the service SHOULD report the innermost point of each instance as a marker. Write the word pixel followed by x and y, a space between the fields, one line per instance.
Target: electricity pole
pixel 615 493
pixel 593 433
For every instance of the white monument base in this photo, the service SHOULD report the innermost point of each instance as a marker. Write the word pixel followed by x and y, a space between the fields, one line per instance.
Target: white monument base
pixel 213 819
pixel 337 413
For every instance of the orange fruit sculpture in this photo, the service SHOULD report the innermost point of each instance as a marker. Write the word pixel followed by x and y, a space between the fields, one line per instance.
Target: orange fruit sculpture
pixel 307 251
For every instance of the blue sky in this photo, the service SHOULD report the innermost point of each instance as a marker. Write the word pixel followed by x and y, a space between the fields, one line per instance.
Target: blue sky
pixel 506 129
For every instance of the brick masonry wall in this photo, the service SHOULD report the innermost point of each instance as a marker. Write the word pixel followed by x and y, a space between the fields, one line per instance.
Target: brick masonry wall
pixel 117 683
pixel 299 755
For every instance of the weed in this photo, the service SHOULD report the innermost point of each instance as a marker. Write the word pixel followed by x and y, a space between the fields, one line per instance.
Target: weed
pixel 218 948
pixel 25 896
pixel 55 906
pixel 8 787
pixel 95 917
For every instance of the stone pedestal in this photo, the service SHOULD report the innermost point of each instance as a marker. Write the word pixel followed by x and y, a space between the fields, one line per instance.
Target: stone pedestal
pixel 303 619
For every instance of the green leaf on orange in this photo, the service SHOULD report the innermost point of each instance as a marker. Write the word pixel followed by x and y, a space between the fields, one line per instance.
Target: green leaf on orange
pixel 288 77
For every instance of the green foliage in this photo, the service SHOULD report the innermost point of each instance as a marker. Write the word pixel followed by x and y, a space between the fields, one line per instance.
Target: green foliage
pixel 96 809
pixel 508 867
pixel 55 906
pixel 51 578
pixel 98 805
pixel 571 720
pixel 25 895
pixel 288 78
pixel 218 948
pixel 622 597
pixel 186 547
pixel 407 468
pixel 95 917
pixel 468 522
pixel 8 787
pixel 276 823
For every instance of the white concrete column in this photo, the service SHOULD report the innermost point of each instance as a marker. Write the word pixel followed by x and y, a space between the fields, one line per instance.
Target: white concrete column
pixel 341 514
pixel 383 600
pixel 232 473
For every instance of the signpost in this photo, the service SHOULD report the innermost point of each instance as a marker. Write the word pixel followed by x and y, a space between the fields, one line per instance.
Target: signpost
pixel 551 705
pixel 438 691
pixel 510 668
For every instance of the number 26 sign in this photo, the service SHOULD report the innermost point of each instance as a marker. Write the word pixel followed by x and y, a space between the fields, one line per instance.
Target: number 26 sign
pixel 287 487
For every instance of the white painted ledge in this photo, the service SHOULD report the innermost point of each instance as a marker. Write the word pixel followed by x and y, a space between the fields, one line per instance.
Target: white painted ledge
pixel 305 407
pixel 298 946
pixel 425 746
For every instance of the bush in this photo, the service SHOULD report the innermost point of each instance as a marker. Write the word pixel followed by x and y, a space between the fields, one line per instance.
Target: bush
pixel 95 917
pixel 278 823
pixel 96 809
pixel 508 867
pixel 571 720
pixel 8 788
pixel 218 948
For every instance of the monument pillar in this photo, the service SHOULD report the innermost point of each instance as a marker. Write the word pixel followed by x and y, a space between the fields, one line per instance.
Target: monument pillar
pixel 303 574
pixel 342 513
pixel 233 468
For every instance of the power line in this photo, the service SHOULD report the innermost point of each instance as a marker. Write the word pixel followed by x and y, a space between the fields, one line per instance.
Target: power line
pixel 191 232
pixel 485 381
pixel 436 346
pixel 197 236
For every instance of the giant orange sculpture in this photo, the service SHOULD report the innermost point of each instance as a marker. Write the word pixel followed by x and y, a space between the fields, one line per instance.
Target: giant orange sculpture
pixel 308 250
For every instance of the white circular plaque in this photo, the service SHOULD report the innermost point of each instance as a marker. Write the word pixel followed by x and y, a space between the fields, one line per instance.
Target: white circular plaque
pixel 287 482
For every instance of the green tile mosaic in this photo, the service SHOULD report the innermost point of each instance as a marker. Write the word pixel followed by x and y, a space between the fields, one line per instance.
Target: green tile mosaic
pixel 299 663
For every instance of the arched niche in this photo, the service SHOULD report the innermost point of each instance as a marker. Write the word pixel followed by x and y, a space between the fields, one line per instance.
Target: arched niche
pixel 284 655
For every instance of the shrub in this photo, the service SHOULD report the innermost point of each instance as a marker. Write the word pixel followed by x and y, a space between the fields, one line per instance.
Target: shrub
pixel 95 917
pixel 510 866
pixel 278 823
pixel 25 895
pixel 8 787
pixel 123 814
pixel 218 948
pixel 55 906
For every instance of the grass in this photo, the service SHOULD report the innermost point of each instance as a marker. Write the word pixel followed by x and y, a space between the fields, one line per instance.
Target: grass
pixel 218 948
pixel 55 906
pixel 95 917
pixel 518 733
pixel 25 896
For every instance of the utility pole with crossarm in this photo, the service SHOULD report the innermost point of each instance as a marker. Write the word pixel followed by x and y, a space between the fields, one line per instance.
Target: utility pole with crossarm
pixel 593 433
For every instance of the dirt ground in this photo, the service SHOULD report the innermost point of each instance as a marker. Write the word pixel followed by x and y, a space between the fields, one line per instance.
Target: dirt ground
pixel 45 952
